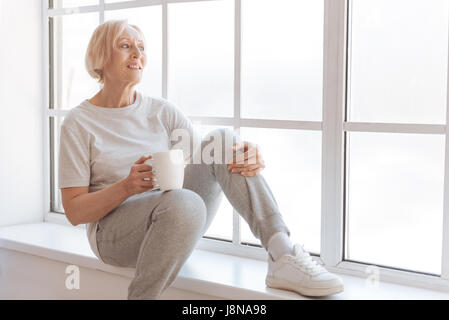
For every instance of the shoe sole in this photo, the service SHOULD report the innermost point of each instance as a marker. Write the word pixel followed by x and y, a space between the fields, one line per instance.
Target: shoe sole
pixel 305 291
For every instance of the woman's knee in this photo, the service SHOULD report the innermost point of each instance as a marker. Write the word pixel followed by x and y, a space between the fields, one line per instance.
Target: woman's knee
pixel 185 208
pixel 221 141
pixel 222 135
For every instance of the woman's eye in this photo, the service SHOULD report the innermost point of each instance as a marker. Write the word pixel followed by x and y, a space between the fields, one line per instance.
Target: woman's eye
pixel 127 46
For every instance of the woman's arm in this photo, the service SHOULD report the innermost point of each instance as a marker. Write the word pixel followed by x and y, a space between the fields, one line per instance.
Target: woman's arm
pixel 83 207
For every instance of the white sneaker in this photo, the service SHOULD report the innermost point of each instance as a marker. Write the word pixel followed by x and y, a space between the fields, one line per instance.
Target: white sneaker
pixel 301 274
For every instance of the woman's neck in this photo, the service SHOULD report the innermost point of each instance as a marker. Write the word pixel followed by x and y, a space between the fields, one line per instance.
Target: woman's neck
pixel 114 98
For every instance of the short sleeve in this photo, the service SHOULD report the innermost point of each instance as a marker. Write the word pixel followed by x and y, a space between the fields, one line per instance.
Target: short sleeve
pixel 183 134
pixel 74 159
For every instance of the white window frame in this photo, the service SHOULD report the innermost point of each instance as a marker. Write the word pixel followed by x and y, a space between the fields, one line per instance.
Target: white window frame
pixel 334 127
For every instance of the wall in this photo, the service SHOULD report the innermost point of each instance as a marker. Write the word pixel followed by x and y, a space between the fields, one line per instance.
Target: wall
pixel 21 117
pixel 25 276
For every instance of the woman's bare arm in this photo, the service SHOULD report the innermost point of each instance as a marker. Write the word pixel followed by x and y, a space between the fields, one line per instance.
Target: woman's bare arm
pixel 82 206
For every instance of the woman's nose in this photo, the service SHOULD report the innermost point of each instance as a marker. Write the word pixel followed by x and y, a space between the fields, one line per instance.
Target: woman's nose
pixel 136 54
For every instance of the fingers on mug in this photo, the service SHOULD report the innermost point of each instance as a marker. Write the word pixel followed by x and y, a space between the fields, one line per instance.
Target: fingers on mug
pixel 155 184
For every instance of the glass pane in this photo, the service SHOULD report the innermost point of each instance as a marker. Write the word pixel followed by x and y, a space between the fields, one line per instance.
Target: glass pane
pixel 221 226
pixel 395 205
pixel 57 121
pixel 282 59
pixel 72 83
pixel 149 20
pixel 58 4
pixel 293 172
pixel 201 57
pixel 399 61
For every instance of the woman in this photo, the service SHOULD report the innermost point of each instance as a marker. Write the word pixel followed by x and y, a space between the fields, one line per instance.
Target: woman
pixel 106 184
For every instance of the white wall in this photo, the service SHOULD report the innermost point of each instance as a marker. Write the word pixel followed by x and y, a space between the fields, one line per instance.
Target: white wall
pixel 21 127
pixel 25 276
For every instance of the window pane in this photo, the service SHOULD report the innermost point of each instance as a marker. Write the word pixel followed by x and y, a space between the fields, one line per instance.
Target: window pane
pixel 72 83
pixel 57 4
pixel 293 172
pixel 396 200
pixel 57 121
pixel 201 57
pixel 399 61
pixel 221 226
pixel 282 59
pixel 149 20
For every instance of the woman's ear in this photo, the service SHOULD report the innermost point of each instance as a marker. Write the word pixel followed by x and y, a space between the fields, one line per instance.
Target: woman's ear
pixel 99 72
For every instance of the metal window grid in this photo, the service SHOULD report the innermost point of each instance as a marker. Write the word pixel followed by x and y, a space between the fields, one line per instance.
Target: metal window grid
pixel 334 127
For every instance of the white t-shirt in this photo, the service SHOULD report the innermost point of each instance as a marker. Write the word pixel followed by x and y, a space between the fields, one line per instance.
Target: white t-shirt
pixel 99 145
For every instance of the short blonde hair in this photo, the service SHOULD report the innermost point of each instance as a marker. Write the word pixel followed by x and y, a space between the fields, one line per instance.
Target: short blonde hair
pixel 101 45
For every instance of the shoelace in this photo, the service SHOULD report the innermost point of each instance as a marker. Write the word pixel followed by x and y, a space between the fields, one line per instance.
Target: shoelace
pixel 305 261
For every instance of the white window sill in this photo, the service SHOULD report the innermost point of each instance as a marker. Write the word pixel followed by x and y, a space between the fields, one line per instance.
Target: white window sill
pixel 205 272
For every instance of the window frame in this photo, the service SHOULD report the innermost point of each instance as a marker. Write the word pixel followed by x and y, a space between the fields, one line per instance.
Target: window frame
pixel 334 127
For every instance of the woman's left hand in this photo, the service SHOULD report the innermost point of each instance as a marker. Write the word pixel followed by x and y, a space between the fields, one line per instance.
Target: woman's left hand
pixel 250 162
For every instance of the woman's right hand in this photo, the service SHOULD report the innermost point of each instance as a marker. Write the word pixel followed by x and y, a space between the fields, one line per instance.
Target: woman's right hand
pixel 135 182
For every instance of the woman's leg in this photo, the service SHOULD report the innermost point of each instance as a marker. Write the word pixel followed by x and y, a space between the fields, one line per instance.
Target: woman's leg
pixel 155 232
pixel 250 196
pixel 293 269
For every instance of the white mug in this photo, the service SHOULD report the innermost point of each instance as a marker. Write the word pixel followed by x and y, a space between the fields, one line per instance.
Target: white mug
pixel 168 167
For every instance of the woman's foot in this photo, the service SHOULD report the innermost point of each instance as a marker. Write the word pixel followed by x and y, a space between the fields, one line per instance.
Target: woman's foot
pixel 299 273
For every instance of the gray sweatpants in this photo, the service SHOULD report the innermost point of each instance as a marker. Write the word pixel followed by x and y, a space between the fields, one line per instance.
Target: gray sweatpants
pixel 156 231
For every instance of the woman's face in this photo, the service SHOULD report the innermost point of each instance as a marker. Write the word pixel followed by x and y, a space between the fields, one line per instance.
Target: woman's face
pixel 128 59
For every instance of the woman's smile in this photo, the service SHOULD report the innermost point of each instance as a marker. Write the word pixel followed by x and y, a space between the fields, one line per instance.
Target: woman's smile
pixel 134 66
